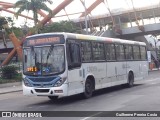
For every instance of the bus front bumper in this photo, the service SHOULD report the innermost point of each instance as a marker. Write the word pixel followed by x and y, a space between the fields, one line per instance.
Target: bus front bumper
pixel 51 91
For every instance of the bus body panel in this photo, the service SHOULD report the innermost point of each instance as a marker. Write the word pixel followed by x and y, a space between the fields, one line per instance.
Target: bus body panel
pixel 133 67
pixel 75 81
pixel 111 73
pixel 97 70
pixel 106 73
pixel 144 69
pixel 31 91
pixel 139 68
pixel 121 73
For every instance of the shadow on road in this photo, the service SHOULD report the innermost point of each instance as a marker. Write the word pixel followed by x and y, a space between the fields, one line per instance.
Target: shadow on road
pixel 113 89
pixel 79 97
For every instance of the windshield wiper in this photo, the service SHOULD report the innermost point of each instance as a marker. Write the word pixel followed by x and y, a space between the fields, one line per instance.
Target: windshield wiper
pixel 49 52
pixel 33 53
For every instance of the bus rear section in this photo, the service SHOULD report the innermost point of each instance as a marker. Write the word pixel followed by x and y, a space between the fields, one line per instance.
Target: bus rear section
pixel 104 62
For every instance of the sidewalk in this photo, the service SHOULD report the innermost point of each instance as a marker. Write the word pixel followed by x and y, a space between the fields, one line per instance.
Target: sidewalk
pixel 10 87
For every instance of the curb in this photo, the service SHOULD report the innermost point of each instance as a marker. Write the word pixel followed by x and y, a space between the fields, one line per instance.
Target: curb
pixel 153 70
pixel 10 87
pixel 10 92
pixel 4 85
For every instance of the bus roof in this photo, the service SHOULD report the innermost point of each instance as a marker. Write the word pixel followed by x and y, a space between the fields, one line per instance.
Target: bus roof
pixel 90 37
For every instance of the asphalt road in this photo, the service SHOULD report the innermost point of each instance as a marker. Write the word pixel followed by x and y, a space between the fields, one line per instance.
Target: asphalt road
pixel 144 96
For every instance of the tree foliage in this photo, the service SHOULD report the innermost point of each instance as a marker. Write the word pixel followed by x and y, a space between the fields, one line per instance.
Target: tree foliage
pixel 8 71
pixel 7 21
pixel 63 26
pixel 32 5
pixel 3 21
pixel 18 31
pixel 4 24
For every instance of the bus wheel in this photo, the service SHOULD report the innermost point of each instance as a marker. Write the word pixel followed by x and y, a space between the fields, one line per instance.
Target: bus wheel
pixel 88 88
pixel 130 80
pixel 53 98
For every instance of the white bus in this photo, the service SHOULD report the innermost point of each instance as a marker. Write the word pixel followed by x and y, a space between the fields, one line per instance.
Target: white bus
pixel 64 64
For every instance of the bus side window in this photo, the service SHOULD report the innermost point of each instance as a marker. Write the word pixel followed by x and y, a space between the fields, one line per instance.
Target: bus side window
pixel 86 51
pixel 120 52
pixel 74 59
pixel 129 52
pixel 98 51
pixel 143 52
pixel 110 52
pixel 136 52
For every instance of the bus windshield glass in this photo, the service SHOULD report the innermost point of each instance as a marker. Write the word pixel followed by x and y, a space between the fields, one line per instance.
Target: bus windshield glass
pixel 46 60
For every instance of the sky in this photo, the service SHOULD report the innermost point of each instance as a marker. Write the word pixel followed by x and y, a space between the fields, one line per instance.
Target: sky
pixel 115 6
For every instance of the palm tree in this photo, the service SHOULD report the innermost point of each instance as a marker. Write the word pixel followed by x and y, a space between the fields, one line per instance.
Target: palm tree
pixel 34 6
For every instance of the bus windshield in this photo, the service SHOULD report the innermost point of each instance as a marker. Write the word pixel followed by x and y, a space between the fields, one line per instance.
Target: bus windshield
pixel 46 60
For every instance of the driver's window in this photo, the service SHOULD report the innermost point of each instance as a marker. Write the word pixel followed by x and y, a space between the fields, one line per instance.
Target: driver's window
pixel 74 59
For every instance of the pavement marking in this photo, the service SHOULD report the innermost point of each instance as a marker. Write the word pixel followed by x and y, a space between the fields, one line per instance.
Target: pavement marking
pixel 42 106
pixel 30 107
pixel 91 116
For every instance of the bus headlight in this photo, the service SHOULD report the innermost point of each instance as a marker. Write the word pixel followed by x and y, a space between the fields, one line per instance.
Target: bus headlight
pixel 27 83
pixel 60 82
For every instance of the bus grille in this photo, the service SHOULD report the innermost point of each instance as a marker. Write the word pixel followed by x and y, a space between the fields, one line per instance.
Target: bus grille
pixel 42 85
pixel 42 90
pixel 41 79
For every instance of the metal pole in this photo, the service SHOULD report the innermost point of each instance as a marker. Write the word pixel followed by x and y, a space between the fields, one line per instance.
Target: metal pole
pixel 155 47
pixel 157 61
pixel 86 24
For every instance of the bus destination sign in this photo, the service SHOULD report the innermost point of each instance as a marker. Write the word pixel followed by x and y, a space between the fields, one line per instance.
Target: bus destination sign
pixel 43 41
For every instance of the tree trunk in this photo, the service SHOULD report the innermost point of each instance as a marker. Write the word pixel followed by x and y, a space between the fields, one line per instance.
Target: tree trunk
pixel 13 52
pixel 44 21
pixel 16 44
pixel 14 40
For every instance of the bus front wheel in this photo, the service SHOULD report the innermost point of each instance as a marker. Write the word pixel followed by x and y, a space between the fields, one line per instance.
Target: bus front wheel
pixel 89 87
pixel 130 80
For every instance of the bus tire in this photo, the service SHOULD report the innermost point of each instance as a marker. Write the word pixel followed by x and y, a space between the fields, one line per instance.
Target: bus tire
pixel 53 98
pixel 89 88
pixel 130 80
